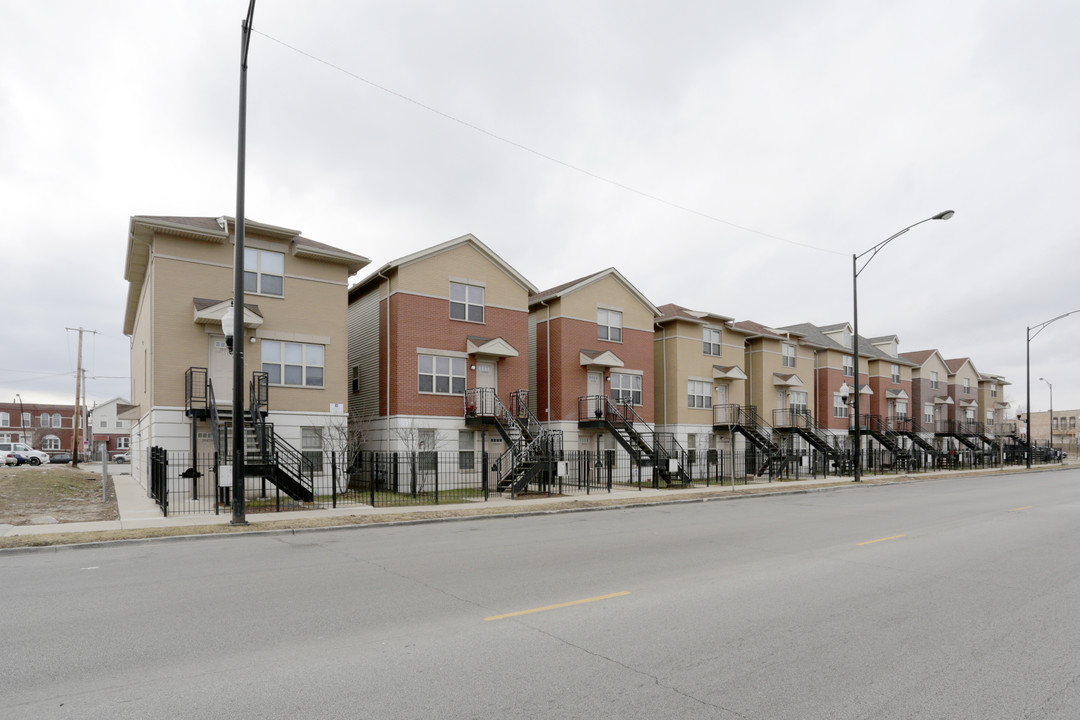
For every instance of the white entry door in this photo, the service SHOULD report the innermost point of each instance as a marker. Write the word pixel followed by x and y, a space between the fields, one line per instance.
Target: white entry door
pixel 220 370
pixel 487 376
pixel 595 391
pixel 721 413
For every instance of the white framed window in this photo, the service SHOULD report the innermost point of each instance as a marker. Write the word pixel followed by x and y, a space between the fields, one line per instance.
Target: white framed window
pixel 466 302
pixel 797 401
pixel 626 388
pixel 428 441
pixel 123 442
pixel 609 325
pixel 57 421
pixel 43 420
pixel 933 379
pixel 928 413
pixel 50 442
pixel 441 375
pixel 788 352
pixel 712 342
pixel 26 420
pixel 847 338
pixel 466 450
pixel 993 390
pixel 839 406
pixel 849 366
pixel 311 446
pixel 901 408
pixel 104 423
pixel 291 363
pixel 264 272
pixel 895 371
pixel 5 419
pixel 967 386
pixel 119 423
pixel 1055 423
pixel 699 394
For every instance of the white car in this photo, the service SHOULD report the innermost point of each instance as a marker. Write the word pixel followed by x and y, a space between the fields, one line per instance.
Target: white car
pixel 7 458
pixel 34 457
pixel 123 458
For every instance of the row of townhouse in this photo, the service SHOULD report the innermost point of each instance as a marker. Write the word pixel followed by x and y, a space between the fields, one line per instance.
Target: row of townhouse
pixel 432 349
pixel 49 427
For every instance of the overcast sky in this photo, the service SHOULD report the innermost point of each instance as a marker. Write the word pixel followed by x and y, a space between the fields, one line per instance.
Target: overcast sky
pixel 726 156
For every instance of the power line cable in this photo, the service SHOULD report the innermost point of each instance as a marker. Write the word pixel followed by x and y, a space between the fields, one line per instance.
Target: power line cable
pixel 549 158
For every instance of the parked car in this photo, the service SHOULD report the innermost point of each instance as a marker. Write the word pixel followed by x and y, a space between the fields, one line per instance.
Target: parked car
pixel 60 457
pixel 123 458
pixel 20 459
pixel 8 458
pixel 32 456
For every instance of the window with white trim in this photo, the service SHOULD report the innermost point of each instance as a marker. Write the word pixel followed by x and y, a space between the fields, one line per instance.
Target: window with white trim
pixel 291 363
pixel 712 342
pixel 57 421
pixel 699 394
pixel 626 388
pixel 788 351
pixel 993 390
pixel 895 371
pixel 104 423
pixel 26 420
pixel 123 442
pixel 609 325
pixel 967 386
pixel 928 413
pixel 466 450
pixel 847 337
pixel 50 442
pixel 839 406
pixel 849 366
pixel 264 272
pixel 466 302
pixel 933 379
pixel 901 408
pixel 797 401
pixel 311 446
pixel 43 420
pixel 441 375
pixel 5 419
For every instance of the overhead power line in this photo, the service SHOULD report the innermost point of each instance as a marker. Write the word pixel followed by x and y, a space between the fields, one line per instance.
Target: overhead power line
pixel 545 156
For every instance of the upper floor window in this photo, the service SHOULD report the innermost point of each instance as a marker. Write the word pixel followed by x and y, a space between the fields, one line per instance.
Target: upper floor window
pixel 5 419
pixel 119 423
pixel 440 374
pixel 699 394
pixel 57 421
pixel 354 378
pixel 466 302
pixel 788 351
pixel 1055 423
pixel 1072 421
pixel 849 366
pixel 290 363
pixel 264 272
pixel 122 442
pixel 847 338
pixel 839 406
pixel 967 386
pixel 895 370
pixel 933 379
pixel 993 389
pixel 26 422
pixel 44 420
pixel 797 401
pixel 928 412
pixel 104 422
pixel 626 388
pixel 712 341
pixel 609 325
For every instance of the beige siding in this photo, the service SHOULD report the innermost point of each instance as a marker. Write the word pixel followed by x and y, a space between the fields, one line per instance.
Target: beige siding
pixel 610 293
pixel 468 265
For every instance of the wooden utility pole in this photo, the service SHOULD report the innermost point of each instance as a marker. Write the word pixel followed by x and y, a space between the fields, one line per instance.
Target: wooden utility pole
pixel 78 398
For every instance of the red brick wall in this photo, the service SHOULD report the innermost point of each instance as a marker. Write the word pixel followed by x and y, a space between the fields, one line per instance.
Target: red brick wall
pixel 26 435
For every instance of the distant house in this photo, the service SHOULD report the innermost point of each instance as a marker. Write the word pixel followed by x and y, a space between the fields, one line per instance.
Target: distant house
pixel 180 285
pixel 49 427
pixel 108 428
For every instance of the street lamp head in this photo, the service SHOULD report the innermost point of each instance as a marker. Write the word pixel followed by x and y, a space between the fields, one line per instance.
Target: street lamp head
pixel 943 215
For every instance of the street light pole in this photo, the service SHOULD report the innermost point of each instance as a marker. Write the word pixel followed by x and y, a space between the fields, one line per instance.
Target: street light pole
pixel 238 480
pixel 21 421
pixel 1027 417
pixel 1050 426
pixel 855 271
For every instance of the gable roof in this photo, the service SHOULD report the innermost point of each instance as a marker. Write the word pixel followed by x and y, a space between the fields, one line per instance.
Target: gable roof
pixel 420 255
pixel 955 364
pixel 671 312
pixel 815 335
pixel 919 357
pixel 575 285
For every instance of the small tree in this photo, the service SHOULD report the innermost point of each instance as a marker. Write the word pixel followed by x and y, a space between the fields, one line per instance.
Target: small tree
pixel 422 446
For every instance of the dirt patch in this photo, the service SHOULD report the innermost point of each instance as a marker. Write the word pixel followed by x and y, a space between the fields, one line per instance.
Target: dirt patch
pixel 55 491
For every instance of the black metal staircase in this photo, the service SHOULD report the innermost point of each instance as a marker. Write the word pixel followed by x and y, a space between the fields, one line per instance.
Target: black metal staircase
pixel 961 430
pixel 802 423
pixel 644 445
pixel 530 448
pixel 746 421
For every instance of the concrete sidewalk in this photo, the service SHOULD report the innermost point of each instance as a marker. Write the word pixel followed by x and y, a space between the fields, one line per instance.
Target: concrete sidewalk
pixel 138 511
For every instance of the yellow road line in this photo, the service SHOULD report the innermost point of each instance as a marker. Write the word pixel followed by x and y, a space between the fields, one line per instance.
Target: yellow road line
pixel 891 537
pixel 555 607
pixel 1026 507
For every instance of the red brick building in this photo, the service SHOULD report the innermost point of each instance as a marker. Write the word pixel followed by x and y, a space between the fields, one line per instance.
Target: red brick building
pixel 43 426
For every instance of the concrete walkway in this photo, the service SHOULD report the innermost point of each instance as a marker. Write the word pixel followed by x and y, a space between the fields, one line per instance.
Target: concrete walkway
pixel 138 511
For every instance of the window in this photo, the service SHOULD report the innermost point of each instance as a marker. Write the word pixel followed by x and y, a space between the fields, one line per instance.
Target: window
pixel 290 363
pixel 895 370
pixel 993 390
pixel 120 423
pixel 609 325
pixel 849 366
pixel 712 342
pixel 466 450
pixel 104 423
pixel 26 422
pixel 5 419
pixel 354 378
pixel 429 458
pixel 933 379
pixel 50 442
pixel 439 374
pixel 839 406
pixel 928 413
pixel 123 442
pixel 57 421
pixel 43 420
pixel 466 302
pixel 311 447
pixel 788 351
pixel 847 338
pixel 1055 423
pixel 264 272
pixel 901 409
pixel 1072 422
pixel 626 388
pixel 967 386
pixel 700 394
pixel 797 401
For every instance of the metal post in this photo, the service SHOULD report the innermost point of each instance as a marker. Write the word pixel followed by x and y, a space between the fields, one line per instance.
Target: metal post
pixel 855 345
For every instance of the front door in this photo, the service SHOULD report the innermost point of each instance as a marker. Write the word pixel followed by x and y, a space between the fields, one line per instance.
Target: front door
pixel 219 368
pixel 487 377
pixel 722 411
pixel 595 391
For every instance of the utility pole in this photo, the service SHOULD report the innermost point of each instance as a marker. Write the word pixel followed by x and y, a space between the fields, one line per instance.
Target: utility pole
pixel 78 399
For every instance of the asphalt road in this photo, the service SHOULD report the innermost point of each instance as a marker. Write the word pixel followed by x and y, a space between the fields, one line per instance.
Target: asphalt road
pixel 938 599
